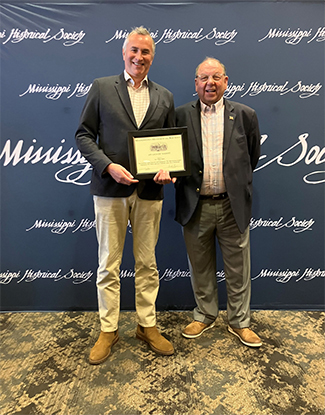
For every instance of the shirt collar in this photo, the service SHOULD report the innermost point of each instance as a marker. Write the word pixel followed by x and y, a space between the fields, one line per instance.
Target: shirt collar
pixel 216 106
pixel 128 78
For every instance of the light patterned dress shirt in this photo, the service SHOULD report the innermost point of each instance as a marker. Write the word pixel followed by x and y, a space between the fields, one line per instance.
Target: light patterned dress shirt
pixel 140 98
pixel 212 124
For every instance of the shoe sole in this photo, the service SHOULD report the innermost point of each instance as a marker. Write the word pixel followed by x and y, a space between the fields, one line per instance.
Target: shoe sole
pixel 162 352
pixel 98 362
pixel 243 341
pixel 194 336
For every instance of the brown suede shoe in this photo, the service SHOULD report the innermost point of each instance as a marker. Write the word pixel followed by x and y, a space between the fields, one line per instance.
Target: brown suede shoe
pixel 102 348
pixel 156 341
pixel 246 336
pixel 195 329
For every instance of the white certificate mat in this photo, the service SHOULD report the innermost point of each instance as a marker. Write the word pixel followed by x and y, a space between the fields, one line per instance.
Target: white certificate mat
pixel 152 150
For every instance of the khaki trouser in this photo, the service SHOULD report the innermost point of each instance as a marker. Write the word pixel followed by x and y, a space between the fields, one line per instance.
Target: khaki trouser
pixel 112 216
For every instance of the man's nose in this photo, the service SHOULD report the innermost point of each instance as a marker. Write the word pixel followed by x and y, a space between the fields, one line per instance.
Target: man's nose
pixel 138 54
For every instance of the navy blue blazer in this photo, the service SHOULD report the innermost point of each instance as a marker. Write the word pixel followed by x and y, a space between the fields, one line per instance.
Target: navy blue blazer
pixel 241 151
pixel 102 135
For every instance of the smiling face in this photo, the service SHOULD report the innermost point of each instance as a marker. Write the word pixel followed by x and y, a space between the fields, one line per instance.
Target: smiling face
pixel 138 56
pixel 210 82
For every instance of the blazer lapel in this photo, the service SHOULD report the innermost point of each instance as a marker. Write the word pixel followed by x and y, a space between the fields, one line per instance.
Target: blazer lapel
pixel 154 99
pixel 229 122
pixel 195 115
pixel 122 91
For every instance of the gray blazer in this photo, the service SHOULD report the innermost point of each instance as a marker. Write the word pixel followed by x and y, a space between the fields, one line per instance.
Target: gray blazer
pixel 241 151
pixel 102 134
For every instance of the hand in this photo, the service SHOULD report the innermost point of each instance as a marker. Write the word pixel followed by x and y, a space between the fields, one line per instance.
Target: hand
pixel 120 174
pixel 163 177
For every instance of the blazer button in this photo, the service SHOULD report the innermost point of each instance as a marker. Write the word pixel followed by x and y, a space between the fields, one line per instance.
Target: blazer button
pixel 197 190
pixel 200 172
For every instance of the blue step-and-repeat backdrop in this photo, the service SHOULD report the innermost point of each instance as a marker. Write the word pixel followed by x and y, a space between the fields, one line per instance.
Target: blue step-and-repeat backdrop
pixel 50 54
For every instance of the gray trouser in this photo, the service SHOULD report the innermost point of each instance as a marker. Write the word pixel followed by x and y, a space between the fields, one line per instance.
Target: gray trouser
pixel 213 220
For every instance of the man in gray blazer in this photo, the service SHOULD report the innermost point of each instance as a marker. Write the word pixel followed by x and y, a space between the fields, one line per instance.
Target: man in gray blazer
pixel 216 200
pixel 116 105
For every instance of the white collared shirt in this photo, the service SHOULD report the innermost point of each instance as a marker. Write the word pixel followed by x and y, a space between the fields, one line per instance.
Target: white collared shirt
pixel 139 97
pixel 212 124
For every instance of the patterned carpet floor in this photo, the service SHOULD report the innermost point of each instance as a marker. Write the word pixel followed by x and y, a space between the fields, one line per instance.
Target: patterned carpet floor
pixel 45 370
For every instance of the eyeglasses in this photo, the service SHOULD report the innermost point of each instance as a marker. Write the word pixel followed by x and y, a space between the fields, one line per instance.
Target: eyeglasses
pixel 204 78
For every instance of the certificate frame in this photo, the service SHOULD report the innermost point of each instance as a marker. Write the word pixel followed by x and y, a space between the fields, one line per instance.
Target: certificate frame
pixel 155 149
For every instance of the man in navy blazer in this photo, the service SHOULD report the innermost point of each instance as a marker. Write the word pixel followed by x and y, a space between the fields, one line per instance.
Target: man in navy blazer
pixel 216 200
pixel 116 105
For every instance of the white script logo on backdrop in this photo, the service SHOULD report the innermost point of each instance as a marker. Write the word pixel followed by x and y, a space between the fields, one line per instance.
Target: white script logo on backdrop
pixel 255 88
pixel 170 35
pixel 295 224
pixel 67 38
pixel 55 92
pixel 280 276
pixel 169 274
pixel 284 276
pixel 76 170
pixel 60 227
pixel 30 276
pixel 311 155
pixel 293 37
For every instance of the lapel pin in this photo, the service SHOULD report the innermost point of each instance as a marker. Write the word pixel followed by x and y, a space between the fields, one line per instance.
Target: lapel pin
pixel 231 117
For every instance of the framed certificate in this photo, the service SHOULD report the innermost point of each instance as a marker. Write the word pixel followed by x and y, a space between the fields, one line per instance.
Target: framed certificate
pixel 152 150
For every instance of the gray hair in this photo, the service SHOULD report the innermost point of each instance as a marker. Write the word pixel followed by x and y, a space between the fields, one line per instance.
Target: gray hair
pixel 214 60
pixel 140 31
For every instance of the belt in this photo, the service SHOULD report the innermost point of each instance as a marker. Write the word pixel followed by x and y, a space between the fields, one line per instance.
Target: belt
pixel 214 197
